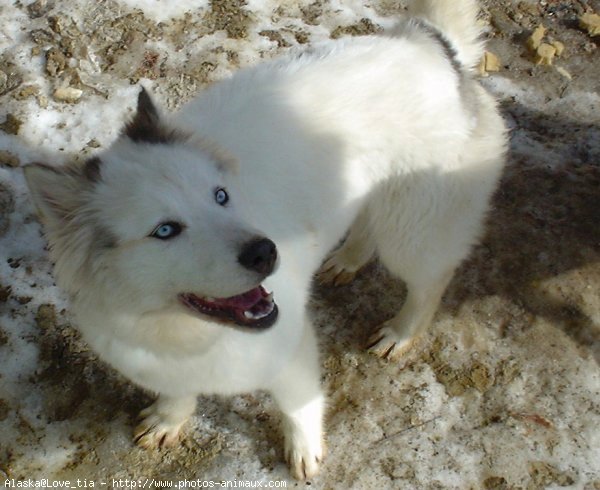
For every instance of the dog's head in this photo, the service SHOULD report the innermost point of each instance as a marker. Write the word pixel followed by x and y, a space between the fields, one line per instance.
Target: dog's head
pixel 151 223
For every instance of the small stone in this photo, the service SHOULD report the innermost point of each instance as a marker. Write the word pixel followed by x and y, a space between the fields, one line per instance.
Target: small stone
pixel 545 54
pixel 68 94
pixel 560 47
pixel 591 23
pixel 564 72
pixel 536 37
pixel 489 62
pixel 492 62
pixel 42 101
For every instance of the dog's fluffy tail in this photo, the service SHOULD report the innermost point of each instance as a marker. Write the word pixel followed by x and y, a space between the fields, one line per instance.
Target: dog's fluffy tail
pixel 457 20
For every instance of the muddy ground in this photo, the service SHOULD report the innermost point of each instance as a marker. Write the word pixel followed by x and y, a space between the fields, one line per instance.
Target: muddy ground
pixel 504 392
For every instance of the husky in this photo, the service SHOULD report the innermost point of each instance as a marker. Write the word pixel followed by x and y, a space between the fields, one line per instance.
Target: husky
pixel 188 247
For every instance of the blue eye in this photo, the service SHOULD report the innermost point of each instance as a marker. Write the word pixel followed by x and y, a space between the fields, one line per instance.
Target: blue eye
pixel 167 230
pixel 221 196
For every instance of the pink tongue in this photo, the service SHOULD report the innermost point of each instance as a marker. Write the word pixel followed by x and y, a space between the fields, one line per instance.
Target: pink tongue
pixel 242 301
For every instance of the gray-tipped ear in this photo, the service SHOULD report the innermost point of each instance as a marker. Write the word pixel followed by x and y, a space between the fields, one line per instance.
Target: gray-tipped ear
pixel 56 193
pixel 146 126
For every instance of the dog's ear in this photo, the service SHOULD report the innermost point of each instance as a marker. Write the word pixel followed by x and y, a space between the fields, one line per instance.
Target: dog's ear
pixel 58 192
pixel 146 126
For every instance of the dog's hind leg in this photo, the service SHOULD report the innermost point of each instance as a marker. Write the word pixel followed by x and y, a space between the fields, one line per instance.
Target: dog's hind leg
pixel 356 250
pixel 161 422
pixel 423 225
pixel 398 334
pixel 298 393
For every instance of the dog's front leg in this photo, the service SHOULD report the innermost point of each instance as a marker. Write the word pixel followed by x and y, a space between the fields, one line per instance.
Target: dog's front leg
pixel 298 393
pixel 161 422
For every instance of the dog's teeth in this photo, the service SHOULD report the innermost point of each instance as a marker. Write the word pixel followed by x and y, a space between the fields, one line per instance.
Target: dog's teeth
pixel 254 316
pixel 210 299
pixel 269 297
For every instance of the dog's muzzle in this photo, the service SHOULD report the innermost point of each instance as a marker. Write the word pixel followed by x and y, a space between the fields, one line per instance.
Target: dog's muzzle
pixel 255 309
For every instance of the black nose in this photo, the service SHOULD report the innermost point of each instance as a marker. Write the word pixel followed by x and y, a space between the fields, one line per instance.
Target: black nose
pixel 259 255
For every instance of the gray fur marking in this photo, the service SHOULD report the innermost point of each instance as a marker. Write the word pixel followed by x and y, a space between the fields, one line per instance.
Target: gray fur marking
pixel 465 80
pixel 443 41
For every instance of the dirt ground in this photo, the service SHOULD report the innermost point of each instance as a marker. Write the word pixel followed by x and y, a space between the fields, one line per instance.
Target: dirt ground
pixel 506 384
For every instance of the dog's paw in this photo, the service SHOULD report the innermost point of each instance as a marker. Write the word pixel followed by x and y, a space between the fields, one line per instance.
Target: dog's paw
pixel 387 344
pixel 335 271
pixel 157 429
pixel 304 457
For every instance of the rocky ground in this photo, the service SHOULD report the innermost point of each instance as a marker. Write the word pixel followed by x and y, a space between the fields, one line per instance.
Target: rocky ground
pixel 504 393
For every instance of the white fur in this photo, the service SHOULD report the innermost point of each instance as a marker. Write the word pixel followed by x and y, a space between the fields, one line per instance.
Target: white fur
pixel 377 135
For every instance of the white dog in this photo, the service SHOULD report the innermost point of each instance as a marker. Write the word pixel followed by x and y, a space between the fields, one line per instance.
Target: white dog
pixel 188 247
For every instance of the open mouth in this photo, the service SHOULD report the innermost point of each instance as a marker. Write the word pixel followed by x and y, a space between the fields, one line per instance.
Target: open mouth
pixel 252 309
